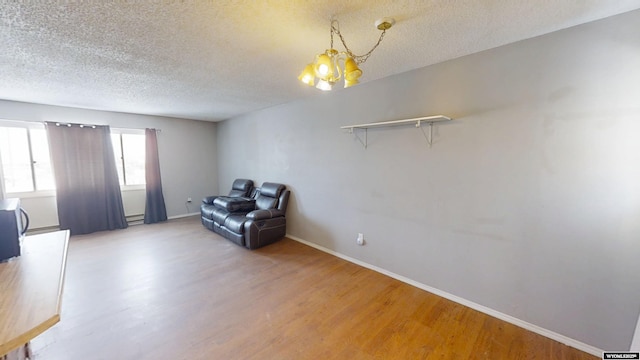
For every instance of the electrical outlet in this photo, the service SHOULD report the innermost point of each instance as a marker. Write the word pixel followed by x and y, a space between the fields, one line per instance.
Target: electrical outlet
pixel 188 199
pixel 360 239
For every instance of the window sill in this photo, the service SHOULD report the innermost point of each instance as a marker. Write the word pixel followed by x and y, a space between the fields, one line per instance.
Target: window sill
pixel 52 193
pixel 132 187
pixel 32 194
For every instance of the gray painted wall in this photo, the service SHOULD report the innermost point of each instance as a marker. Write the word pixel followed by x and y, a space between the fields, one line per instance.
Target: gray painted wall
pixel 635 344
pixel 186 148
pixel 528 203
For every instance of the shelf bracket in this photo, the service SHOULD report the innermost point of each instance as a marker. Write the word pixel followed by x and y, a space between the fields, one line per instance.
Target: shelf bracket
pixel 429 137
pixel 417 121
pixel 364 143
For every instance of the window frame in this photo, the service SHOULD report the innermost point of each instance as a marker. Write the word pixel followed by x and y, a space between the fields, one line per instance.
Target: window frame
pixel 29 126
pixel 120 163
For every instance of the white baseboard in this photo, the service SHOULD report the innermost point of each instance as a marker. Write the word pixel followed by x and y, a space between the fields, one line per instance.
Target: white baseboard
pixel 141 221
pixel 182 216
pixel 508 318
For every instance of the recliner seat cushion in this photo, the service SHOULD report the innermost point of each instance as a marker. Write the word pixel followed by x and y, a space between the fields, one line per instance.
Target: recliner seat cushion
pixel 235 223
pixel 219 215
pixel 207 211
pixel 230 235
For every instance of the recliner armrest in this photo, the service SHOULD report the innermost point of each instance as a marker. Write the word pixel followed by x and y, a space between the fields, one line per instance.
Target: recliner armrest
pixel 209 200
pixel 258 233
pixel 235 204
pixel 264 214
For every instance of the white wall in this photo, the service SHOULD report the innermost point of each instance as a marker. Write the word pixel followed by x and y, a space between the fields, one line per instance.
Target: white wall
pixel 187 152
pixel 635 344
pixel 528 203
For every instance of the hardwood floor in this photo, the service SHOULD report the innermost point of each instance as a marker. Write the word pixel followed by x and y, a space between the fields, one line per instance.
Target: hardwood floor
pixel 178 291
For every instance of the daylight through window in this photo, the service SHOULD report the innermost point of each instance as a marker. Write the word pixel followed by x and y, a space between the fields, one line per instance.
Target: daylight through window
pixel 26 164
pixel 25 159
pixel 129 151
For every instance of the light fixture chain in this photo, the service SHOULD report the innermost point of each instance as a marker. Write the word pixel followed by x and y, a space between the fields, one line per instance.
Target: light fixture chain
pixel 362 58
pixel 358 58
pixel 332 31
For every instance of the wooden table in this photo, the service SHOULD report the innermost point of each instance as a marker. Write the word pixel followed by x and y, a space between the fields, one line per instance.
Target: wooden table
pixel 31 289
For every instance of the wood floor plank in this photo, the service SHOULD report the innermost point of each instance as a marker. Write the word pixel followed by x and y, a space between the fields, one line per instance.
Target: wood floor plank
pixel 178 291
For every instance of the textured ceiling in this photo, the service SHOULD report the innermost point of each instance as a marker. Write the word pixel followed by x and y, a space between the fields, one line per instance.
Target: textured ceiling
pixel 215 59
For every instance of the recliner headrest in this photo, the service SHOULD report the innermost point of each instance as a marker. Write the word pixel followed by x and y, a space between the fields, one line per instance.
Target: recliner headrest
pixel 271 189
pixel 242 184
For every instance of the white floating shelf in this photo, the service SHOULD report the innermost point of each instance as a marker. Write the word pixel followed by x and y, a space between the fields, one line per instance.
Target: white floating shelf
pixel 416 121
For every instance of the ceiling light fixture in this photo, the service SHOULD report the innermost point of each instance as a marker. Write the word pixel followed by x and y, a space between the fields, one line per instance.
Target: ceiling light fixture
pixel 326 66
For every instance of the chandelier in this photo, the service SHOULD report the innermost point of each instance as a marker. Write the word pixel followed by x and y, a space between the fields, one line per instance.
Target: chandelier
pixel 327 66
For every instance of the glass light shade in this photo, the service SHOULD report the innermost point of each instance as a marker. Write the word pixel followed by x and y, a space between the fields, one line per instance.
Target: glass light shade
pixel 322 67
pixel 326 66
pixel 324 85
pixel 348 83
pixel 307 75
pixel 351 71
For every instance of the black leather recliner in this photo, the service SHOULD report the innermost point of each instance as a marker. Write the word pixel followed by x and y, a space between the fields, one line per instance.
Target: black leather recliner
pixel 241 188
pixel 252 221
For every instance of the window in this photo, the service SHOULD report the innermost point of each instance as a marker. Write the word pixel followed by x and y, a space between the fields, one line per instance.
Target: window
pixel 26 164
pixel 129 151
pixel 25 158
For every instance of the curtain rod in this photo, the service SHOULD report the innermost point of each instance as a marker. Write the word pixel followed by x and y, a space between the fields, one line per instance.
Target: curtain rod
pixel 123 128
pixel 46 123
pixel 93 126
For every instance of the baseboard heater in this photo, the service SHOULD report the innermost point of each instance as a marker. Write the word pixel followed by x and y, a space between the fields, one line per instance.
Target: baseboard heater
pixel 131 219
pixel 135 218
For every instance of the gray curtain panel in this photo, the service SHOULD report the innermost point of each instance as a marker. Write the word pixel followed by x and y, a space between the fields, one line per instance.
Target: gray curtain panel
pixel 154 210
pixel 2 192
pixel 87 187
